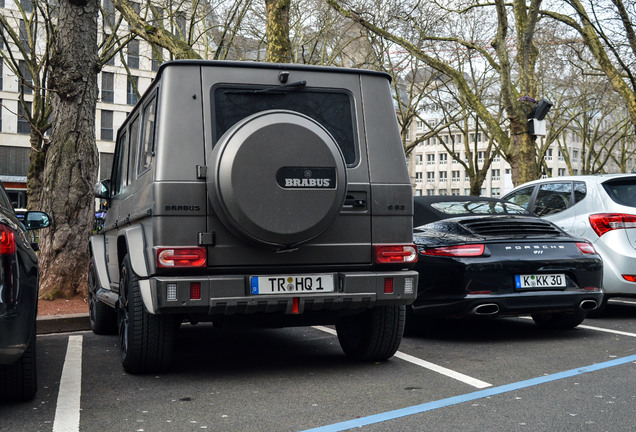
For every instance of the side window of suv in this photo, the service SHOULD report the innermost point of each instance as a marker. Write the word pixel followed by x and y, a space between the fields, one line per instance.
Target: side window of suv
pixel 522 197
pixel 552 198
pixel 148 137
pixel 120 176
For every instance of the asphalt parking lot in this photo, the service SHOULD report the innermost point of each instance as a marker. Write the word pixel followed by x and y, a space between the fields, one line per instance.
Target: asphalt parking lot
pixel 495 375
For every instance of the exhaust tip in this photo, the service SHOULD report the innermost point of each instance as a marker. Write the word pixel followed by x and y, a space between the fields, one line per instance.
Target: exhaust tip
pixel 588 305
pixel 486 309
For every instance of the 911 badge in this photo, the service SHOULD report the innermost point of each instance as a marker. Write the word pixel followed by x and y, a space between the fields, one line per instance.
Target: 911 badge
pixel 306 178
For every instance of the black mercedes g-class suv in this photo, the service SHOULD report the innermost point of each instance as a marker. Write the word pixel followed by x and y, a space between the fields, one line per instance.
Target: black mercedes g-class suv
pixel 267 194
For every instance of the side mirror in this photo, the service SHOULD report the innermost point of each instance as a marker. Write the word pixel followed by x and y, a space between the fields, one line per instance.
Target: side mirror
pixel 34 220
pixel 102 189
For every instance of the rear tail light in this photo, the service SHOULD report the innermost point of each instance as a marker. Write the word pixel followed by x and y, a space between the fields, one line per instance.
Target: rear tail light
pixel 181 257
pixel 629 278
pixel 604 222
pixel 195 291
pixel 471 250
pixel 388 285
pixel 7 240
pixel 389 254
pixel 586 248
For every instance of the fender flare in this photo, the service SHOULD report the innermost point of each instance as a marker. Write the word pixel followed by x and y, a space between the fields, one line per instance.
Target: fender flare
pixel 136 246
pixel 97 249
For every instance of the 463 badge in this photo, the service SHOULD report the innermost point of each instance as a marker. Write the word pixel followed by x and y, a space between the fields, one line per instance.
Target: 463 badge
pixel 286 284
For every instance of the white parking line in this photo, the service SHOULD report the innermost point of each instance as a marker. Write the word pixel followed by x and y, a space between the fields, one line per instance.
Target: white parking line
pixel 67 413
pixel 600 329
pixel 428 365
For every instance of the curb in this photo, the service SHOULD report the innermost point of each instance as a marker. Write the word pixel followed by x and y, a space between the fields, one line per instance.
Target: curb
pixel 62 323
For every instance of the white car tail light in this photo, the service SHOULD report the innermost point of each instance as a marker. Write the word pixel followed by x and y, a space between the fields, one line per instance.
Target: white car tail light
pixel 604 222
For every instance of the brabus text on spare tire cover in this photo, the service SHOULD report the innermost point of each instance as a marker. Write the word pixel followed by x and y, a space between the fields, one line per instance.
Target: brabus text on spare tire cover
pixel 297 177
pixel 278 178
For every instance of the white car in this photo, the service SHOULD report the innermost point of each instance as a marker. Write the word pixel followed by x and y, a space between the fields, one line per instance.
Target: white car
pixel 600 208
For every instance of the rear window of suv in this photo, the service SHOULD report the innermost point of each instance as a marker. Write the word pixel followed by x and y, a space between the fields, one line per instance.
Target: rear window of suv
pixel 332 109
pixel 622 191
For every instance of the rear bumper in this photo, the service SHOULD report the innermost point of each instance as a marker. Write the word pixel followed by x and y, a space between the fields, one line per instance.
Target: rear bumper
pixel 229 295
pixel 509 304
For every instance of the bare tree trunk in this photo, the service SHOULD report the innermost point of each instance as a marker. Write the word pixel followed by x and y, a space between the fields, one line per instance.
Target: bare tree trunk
pixel 71 160
pixel 277 31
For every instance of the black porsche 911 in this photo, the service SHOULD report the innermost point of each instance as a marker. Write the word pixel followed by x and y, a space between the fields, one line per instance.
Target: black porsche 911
pixel 488 257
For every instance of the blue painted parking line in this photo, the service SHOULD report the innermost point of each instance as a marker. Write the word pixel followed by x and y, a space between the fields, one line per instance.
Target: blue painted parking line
pixel 429 406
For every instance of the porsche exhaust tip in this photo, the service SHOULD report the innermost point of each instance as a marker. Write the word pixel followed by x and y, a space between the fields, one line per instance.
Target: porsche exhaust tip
pixel 486 309
pixel 588 305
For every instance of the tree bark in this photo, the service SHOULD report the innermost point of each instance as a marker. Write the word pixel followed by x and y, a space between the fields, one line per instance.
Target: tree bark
pixel 71 160
pixel 277 31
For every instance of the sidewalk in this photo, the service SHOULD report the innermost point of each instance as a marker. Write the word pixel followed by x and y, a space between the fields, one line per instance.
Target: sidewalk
pixel 62 315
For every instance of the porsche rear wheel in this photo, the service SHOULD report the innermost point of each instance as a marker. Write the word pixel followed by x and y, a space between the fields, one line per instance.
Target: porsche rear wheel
pixel 559 320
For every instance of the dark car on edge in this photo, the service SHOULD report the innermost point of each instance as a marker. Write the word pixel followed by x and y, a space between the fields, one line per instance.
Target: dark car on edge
pixel 18 300
pixel 488 257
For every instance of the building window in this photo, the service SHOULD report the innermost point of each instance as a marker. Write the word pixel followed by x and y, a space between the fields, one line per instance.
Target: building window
pixel 418 177
pixel 108 87
pixel 443 158
pixel 26 79
pixel 27 5
pixel 14 161
pixel 430 192
pixel 495 174
pixel 24 127
pixel 548 155
pixel 442 192
pixel 133 54
pixel 430 159
pixel 418 159
pixel 430 177
pixel 109 13
pixel 24 36
pixel 456 176
pixel 443 176
pixel 561 172
pixel 419 125
pixel 131 90
pixel 575 155
pixel 455 192
pixel 155 61
pixel 481 156
pixel 106 133
pixel 105 165
pixel 495 192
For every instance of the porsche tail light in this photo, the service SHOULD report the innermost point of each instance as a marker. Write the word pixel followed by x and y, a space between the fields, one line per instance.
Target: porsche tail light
pixel 604 222
pixel 7 240
pixel 629 278
pixel 181 257
pixel 391 254
pixel 586 248
pixel 470 250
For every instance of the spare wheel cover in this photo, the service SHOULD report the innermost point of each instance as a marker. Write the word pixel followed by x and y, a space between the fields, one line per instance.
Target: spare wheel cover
pixel 277 178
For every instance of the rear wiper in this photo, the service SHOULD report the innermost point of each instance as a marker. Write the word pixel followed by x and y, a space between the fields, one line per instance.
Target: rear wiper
pixel 281 89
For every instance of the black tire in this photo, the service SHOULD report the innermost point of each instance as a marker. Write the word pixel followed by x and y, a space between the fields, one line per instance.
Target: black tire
pixel 146 340
pixel 373 335
pixel 19 381
pixel 559 320
pixel 102 317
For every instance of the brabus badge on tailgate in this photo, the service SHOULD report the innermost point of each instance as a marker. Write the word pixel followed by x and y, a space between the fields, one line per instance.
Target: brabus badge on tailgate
pixel 306 178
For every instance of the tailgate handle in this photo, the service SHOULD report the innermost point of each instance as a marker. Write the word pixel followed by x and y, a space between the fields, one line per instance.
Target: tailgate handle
pixel 353 202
